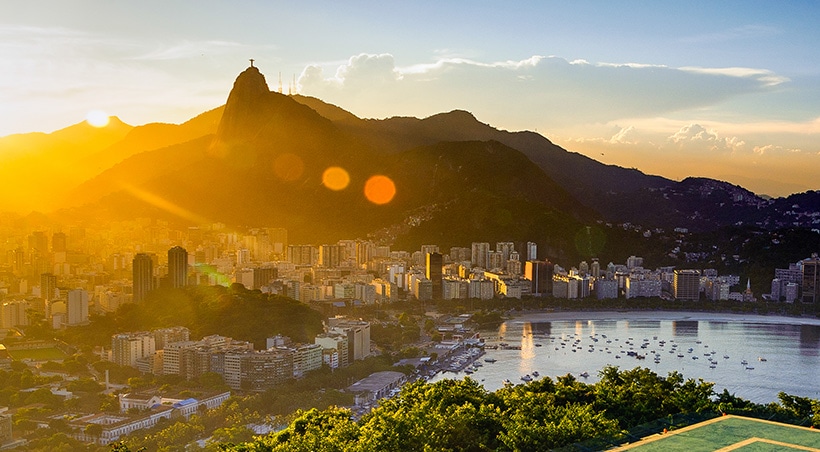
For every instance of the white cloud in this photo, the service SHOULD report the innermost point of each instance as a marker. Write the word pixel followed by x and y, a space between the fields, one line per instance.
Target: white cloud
pixel 529 92
pixel 768 78
pixel 695 137
pixel 627 135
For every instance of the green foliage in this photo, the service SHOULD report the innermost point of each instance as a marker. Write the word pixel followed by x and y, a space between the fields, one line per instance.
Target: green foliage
pixel 460 415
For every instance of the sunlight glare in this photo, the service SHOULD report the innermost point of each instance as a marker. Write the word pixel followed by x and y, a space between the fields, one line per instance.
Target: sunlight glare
pixel 335 178
pixel 288 167
pixel 379 189
pixel 97 118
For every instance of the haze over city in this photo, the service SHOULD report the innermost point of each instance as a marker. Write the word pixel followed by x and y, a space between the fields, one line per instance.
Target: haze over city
pixel 728 90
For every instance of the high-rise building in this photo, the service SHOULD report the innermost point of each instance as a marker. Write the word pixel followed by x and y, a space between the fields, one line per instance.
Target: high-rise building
pixel 686 285
pixel 811 280
pixel 532 251
pixel 48 286
pixel 178 267
pixel 302 254
pixel 505 248
pixel 127 348
pixel 540 275
pixel 433 272
pixel 479 254
pixel 59 242
pixel 330 256
pixel 143 276
pixel 77 307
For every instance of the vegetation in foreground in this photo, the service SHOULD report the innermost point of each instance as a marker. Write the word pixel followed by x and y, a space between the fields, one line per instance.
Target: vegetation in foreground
pixel 460 415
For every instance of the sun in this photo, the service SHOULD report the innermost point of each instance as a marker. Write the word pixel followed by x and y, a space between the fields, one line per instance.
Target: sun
pixel 97 118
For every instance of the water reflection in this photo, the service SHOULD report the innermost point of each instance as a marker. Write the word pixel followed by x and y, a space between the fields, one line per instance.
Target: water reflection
pixel 752 360
pixel 685 328
pixel 809 340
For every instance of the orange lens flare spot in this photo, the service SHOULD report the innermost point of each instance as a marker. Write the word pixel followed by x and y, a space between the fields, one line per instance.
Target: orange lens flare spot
pixel 288 167
pixel 335 178
pixel 97 118
pixel 379 189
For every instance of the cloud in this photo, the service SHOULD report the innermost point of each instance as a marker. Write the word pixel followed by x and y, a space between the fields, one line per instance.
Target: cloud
pixel 772 149
pixel 768 78
pixel 695 137
pixel 529 92
pixel 627 135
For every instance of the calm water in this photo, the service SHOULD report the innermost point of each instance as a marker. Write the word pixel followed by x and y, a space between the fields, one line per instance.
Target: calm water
pixel 780 356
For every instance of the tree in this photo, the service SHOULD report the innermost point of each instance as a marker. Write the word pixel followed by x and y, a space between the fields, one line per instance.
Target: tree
pixel 94 431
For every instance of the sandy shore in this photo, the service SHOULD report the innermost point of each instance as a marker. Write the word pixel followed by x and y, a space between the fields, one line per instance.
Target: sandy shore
pixel 546 316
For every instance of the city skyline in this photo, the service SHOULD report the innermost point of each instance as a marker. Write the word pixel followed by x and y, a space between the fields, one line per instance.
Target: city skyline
pixel 724 91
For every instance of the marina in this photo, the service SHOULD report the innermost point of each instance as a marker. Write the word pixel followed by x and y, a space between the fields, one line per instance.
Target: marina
pixel 717 350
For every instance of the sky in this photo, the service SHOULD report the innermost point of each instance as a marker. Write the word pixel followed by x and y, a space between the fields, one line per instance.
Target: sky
pixel 728 89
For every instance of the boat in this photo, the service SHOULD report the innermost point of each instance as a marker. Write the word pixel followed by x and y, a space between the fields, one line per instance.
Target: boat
pixel 526 378
pixel 761 359
pixel 506 382
pixel 584 374
pixel 744 362
pixel 749 368
pixel 535 373
pixel 490 360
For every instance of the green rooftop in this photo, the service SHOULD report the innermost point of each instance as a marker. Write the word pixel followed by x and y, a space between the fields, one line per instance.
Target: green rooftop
pixel 731 433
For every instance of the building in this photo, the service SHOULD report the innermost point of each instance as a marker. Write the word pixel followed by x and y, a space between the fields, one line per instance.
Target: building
pixel 433 272
pixel 335 342
pixel 261 370
pixel 330 256
pixel 811 280
pixel 532 251
pixel 127 348
pixel 606 288
pixel 376 386
pixel 358 336
pixel 306 358
pixel 539 273
pixel 6 436
pixel 142 268
pixel 48 286
pixel 479 254
pixel 164 336
pixel 686 285
pixel 13 313
pixel 178 267
pixel 77 307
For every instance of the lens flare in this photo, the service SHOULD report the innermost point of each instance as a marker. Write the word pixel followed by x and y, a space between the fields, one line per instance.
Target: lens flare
pixel 379 189
pixel 335 178
pixel 97 118
pixel 288 167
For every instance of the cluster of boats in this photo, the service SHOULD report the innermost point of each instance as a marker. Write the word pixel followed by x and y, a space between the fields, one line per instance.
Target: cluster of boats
pixel 638 349
pixel 465 361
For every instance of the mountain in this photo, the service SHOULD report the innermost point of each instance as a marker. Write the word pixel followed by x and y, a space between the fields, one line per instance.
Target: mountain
pixel 620 195
pixel 34 166
pixel 264 167
pixel 260 161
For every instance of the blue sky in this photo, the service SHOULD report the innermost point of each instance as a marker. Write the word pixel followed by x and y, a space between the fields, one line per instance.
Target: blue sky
pixel 729 90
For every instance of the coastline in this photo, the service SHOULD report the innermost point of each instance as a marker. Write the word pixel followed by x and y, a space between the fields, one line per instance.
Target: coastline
pixel 546 316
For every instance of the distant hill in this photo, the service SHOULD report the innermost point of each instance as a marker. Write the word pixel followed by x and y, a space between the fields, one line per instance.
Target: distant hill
pixel 35 166
pixel 620 195
pixel 264 166
pixel 259 161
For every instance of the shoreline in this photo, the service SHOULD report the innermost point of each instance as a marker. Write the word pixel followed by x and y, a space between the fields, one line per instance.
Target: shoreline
pixel 546 316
